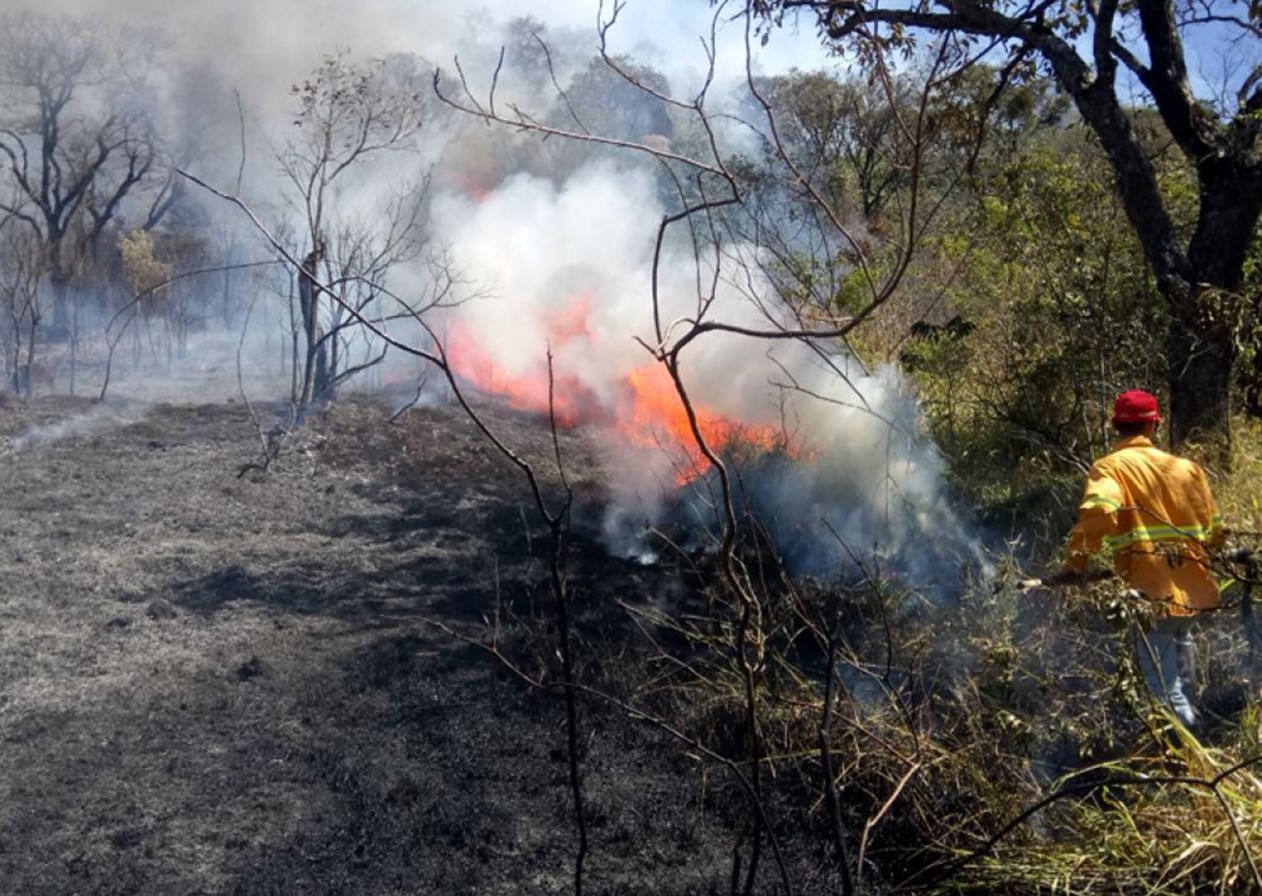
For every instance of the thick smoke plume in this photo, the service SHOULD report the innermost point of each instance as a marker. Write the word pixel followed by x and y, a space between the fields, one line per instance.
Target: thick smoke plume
pixel 829 457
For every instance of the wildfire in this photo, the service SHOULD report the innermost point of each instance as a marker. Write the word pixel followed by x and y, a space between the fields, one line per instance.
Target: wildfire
pixel 571 403
pixel 655 416
pixel 648 411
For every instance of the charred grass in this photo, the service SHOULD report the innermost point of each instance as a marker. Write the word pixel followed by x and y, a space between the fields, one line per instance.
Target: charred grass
pixel 341 676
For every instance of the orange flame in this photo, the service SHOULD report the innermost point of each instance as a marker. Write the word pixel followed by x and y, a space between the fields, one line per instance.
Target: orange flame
pixel 656 416
pixel 572 401
pixel 470 185
pixel 649 412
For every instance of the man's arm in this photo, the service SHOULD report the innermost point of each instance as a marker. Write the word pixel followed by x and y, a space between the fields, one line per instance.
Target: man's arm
pixel 1097 519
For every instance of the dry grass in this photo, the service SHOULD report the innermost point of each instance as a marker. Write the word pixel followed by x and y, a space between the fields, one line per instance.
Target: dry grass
pixel 1007 745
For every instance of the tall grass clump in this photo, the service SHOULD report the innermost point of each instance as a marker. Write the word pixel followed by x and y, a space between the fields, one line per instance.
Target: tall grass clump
pixel 1006 744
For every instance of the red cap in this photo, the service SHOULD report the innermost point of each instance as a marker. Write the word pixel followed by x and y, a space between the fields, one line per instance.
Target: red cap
pixel 1136 406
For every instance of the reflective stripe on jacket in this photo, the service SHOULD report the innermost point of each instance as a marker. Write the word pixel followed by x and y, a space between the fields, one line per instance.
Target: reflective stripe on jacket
pixel 1155 515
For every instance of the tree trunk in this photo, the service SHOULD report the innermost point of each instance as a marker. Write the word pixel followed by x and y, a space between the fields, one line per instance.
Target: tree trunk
pixel 1206 313
pixel 60 329
pixel 308 302
pixel 1201 352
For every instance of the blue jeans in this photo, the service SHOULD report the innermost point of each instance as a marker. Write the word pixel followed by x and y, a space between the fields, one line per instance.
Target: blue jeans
pixel 1168 660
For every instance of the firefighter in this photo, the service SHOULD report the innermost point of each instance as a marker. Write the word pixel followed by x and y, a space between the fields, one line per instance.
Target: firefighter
pixel 1155 515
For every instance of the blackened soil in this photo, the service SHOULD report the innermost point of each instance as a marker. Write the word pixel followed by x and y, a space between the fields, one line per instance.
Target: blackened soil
pixel 216 679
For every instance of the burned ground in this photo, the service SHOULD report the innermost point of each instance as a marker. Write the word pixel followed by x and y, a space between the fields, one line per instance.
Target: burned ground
pixel 338 675
pixel 220 680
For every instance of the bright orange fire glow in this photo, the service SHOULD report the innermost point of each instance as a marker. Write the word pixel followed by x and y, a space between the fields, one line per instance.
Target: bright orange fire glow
pixel 656 416
pixel 571 322
pixel 469 185
pixel 649 411
pixel 572 402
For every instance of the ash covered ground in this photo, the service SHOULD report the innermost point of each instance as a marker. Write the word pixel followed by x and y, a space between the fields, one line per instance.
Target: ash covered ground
pixel 224 682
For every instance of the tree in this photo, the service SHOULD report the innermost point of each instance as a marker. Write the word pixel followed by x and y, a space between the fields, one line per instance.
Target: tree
pixel 348 116
pixel 77 140
pixel 625 102
pixel 148 277
pixel 842 134
pixel 1044 311
pixel 21 272
pixel 536 55
pixel 622 103
pixel 1091 51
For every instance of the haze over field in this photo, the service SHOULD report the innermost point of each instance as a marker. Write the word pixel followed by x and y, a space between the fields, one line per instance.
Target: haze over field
pixel 556 254
pixel 260 46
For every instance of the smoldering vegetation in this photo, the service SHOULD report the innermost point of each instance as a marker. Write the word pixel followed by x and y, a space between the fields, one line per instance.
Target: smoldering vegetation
pixel 678 600
pixel 358 234
pixel 341 674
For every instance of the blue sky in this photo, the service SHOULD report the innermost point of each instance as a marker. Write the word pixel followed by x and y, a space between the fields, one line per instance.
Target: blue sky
pixel 675 28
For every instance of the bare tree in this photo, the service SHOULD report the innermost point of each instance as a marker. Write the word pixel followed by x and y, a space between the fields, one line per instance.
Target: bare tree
pixel 77 139
pixel 349 117
pixel 21 274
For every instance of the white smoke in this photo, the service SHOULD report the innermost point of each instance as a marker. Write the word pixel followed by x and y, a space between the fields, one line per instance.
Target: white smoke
pixel 261 48
pixel 851 475
pixel 864 480
pixel 533 244
pixel 99 418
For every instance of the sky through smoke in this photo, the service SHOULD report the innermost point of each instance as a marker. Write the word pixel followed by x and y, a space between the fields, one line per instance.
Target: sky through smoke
pixel 257 46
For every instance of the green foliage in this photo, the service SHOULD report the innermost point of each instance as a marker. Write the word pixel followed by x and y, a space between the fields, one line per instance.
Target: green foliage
pixel 1061 313
pixel 1249 370
pixel 1196 251
pixel 141 269
pixel 843 136
pixel 1239 490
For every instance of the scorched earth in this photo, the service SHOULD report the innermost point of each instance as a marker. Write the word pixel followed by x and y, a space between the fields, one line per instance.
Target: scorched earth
pixel 220 679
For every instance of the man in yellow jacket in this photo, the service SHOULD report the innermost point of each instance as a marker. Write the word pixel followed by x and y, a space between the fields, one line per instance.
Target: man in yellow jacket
pixel 1155 515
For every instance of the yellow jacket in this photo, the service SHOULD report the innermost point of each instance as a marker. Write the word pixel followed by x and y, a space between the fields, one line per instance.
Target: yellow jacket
pixel 1155 514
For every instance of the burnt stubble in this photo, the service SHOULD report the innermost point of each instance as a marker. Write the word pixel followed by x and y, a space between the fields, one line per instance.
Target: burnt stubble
pixel 219 680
